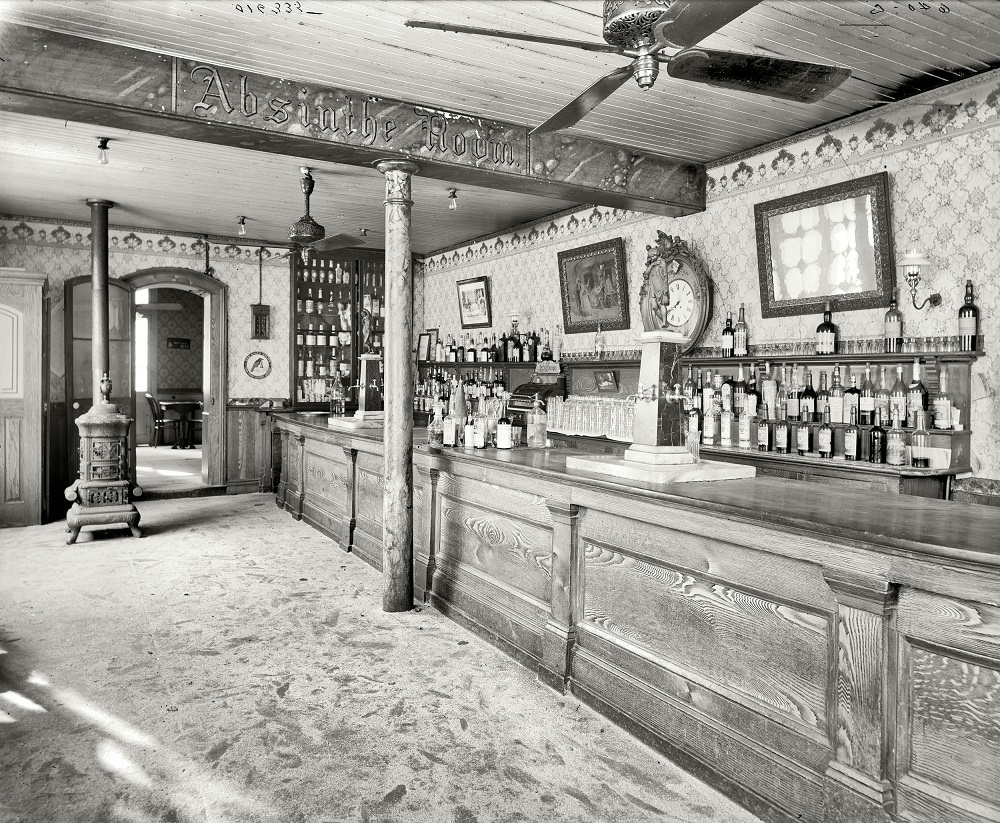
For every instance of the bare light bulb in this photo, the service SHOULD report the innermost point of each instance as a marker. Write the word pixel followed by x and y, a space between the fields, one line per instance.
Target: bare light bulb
pixel 453 199
pixel 242 228
pixel 102 151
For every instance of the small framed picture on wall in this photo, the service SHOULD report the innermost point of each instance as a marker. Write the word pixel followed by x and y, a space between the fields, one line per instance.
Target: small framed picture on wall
pixel 474 303
pixel 424 348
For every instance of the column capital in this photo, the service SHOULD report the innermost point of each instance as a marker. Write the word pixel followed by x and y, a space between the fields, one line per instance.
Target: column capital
pixel 96 201
pixel 385 166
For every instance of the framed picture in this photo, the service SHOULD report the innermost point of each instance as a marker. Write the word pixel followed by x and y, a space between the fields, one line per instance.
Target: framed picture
pixel 474 303
pixel 434 339
pixel 829 244
pixel 593 287
pixel 423 348
pixel 607 381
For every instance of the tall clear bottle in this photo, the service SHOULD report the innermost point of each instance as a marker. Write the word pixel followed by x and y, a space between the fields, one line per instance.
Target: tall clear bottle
pixel 782 431
pixel 942 401
pixel 882 396
pixel 897 395
pixel 764 431
pixel 824 437
pixel 852 397
pixel 836 400
pixel 852 438
pixel 822 397
pixel 895 444
pixel 968 321
pixel 537 425
pixel 792 397
pixel 916 395
pixel 866 401
pixel 769 388
pixel 741 340
pixel 920 442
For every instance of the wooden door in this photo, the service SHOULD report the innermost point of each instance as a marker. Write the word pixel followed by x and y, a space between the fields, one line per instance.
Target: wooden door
pixel 121 354
pixel 21 398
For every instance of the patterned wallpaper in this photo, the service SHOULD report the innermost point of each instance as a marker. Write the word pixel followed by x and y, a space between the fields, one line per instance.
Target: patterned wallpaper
pixel 942 153
pixel 179 369
pixel 62 251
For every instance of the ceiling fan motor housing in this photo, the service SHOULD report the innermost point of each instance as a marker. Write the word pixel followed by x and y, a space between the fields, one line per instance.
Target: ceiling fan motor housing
pixel 628 24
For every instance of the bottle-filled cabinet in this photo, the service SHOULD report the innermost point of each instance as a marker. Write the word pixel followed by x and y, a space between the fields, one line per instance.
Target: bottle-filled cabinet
pixel 338 313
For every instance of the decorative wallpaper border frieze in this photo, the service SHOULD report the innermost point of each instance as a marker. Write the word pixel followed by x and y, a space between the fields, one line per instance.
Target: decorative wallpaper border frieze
pixel 68 234
pixel 895 127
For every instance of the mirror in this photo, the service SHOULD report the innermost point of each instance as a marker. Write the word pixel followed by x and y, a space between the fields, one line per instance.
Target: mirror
pixel 829 244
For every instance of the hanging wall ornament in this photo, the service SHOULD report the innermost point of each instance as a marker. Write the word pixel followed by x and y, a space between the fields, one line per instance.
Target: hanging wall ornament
pixel 260 315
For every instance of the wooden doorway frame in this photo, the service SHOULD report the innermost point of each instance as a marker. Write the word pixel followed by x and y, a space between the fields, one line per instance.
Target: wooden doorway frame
pixel 213 436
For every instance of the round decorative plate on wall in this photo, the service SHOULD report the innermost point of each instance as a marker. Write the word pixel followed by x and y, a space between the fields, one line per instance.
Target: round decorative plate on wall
pixel 257 365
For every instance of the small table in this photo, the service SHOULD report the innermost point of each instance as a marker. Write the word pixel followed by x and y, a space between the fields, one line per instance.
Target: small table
pixel 184 408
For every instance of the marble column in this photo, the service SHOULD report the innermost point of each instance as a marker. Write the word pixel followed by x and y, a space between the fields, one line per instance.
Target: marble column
pixel 100 335
pixel 397 498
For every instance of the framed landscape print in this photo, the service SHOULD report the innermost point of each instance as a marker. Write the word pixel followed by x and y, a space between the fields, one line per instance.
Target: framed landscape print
pixel 474 303
pixel 593 287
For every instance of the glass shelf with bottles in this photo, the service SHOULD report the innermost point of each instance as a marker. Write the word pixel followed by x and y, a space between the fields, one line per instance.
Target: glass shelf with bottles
pixel 511 348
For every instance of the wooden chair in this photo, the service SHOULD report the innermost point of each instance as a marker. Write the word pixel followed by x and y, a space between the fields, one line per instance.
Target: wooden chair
pixel 159 422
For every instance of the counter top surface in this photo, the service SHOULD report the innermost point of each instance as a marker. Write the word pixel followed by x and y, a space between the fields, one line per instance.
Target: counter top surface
pixel 959 531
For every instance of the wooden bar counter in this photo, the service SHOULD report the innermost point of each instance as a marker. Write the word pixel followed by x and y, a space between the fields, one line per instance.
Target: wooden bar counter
pixel 820 654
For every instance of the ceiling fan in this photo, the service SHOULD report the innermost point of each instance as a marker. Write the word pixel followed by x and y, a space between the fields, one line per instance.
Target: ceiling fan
pixel 306 235
pixel 643 29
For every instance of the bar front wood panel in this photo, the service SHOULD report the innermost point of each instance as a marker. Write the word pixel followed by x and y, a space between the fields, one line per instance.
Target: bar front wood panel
pixel 824 668
pixel 248 450
pixel 368 484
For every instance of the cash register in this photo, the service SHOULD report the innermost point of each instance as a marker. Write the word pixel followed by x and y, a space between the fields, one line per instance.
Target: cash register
pixel 546 382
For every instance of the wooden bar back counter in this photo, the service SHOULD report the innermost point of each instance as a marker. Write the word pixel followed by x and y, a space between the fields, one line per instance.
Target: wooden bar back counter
pixel 819 654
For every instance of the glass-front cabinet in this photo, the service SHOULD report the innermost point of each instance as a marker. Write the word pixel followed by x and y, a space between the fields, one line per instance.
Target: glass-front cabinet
pixel 338 312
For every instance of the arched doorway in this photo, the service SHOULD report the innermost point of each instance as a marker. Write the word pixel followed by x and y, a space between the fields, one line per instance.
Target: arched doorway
pixel 215 397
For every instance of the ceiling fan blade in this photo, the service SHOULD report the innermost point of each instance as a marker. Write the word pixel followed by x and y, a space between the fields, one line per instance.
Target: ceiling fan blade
pixel 336 241
pixel 577 109
pixel 773 76
pixel 688 22
pixel 513 35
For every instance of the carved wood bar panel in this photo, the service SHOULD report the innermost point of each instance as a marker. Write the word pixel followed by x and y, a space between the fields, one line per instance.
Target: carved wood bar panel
pixel 368 487
pixel 827 663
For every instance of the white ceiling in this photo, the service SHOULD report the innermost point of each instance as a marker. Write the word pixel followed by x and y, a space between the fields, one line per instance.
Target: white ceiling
pixel 48 166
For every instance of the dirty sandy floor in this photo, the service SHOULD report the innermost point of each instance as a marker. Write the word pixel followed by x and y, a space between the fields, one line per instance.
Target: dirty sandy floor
pixel 234 666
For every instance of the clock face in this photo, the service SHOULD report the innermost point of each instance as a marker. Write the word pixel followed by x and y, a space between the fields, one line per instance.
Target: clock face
pixel 681 305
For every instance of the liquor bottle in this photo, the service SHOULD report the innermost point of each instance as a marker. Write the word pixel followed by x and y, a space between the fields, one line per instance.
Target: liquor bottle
pixel 876 442
pixel 688 390
pixel 471 353
pixel 300 337
pixel 449 428
pixel 743 425
pixel 852 397
pixel 764 431
pixel 769 388
pixel 546 346
pixel 439 351
pixel 320 302
pixel 968 322
pixel 537 425
pixel 469 434
pixel 300 304
pixel 460 351
pixel 852 438
pixel 793 396
pixel 752 401
pixel 866 402
pixel 727 336
pixel 435 429
pixel 693 424
pixel 920 442
pixel 502 348
pixel 310 363
pixel 824 437
pixel 882 396
pixel 451 353
pixel 700 398
pixel 836 401
pixel 339 275
pixel 739 392
pixel 513 348
pixel 320 367
pixel 717 398
pixel 600 342
pixel 707 393
pixel 895 444
pixel 826 333
pixel 942 402
pixel 726 390
pixel 710 422
pixel 822 397
pixel 782 431
pixel 485 350
pixel 807 400
pixel 916 395
pixel 310 335
pixel 892 329
pixel 505 432
pixel 803 438
pixel 479 426
pixel 741 342
pixel 781 396
pixel 531 347
pixel 310 302
pixel 460 407
pixel 897 396
pixel 322 338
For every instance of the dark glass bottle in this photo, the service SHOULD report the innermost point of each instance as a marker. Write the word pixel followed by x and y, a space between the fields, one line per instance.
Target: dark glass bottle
pixel 916 396
pixel 824 437
pixel 546 354
pixel 807 400
pixel 968 321
pixel 876 442
pixel 782 431
pixel 852 397
pixel 727 336
pixel 892 333
pixel 852 438
pixel 822 397
pixel 501 353
pixel 739 392
pixel 866 401
pixel 826 333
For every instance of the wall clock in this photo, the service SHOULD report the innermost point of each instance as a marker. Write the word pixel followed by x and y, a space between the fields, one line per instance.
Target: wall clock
pixel 676 291
pixel 257 365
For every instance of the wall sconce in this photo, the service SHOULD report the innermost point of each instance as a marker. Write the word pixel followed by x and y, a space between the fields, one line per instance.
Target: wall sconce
pixel 241 225
pixel 453 199
pixel 102 151
pixel 911 265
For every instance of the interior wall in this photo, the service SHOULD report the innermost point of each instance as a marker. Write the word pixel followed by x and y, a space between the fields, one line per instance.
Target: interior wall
pixel 178 370
pixel 942 154
pixel 61 250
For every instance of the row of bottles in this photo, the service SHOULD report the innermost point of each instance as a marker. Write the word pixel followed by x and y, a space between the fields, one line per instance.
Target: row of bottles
pixel 438 384
pixel 512 347
pixel 779 434
pixel 488 426
pixel 804 402
pixel 735 338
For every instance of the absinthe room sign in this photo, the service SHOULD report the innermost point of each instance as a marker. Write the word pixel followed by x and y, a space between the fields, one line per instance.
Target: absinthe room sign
pixel 228 96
